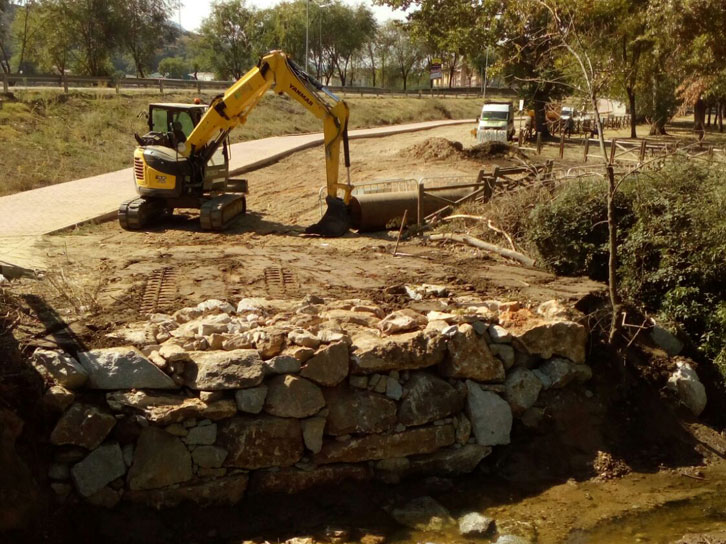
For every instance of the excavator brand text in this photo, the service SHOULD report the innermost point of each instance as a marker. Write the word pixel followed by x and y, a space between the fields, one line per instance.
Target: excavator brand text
pixel 300 93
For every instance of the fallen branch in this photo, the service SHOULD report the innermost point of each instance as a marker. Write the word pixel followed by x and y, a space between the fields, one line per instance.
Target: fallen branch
pixel 488 222
pixel 475 242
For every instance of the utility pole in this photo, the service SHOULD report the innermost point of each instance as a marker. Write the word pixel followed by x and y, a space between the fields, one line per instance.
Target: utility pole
pixel 486 74
pixel 307 34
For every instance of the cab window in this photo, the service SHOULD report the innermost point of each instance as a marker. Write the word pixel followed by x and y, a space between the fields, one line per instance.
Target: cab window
pixel 159 121
pixel 183 120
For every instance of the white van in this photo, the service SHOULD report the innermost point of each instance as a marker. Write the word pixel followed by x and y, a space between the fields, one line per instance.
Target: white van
pixel 496 122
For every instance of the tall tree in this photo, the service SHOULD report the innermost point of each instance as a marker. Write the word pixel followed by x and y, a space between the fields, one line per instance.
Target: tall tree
pixel 7 12
pixel 91 22
pixel 144 28
pixel 228 37
pixel 405 53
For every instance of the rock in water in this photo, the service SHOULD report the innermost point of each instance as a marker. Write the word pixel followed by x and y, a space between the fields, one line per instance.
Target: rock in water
pixel 490 415
pixel 684 381
pixel 122 368
pixel 474 524
pixel 423 514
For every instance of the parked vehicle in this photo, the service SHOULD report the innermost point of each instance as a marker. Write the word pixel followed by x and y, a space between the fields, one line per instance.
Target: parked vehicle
pixel 496 122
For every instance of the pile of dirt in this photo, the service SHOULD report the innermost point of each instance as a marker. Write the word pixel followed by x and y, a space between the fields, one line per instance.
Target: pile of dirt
pixel 489 150
pixel 434 149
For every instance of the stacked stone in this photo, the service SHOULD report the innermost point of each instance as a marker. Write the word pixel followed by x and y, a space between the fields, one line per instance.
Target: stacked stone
pixel 277 396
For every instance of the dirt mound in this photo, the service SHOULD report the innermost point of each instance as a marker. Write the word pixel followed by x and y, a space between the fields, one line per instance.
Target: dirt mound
pixel 434 149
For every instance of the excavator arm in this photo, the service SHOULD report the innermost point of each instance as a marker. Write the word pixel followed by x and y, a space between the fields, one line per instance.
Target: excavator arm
pixel 277 72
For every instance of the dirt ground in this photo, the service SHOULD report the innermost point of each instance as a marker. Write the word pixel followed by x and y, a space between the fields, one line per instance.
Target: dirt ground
pixel 102 272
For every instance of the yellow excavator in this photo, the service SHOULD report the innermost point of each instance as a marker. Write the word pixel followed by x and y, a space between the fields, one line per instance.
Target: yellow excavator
pixel 183 161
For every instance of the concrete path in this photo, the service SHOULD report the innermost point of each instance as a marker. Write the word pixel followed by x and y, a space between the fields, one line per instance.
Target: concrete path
pixel 65 205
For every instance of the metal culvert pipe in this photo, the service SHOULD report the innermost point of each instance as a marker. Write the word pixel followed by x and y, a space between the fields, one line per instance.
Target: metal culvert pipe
pixel 374 211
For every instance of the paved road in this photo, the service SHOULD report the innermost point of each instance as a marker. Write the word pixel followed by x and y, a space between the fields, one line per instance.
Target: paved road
pixel 58 207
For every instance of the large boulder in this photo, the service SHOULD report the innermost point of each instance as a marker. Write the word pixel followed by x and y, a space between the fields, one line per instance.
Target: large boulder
pixel 544 339
pixel 356 411
pixel 490 416
pixel 219 370
pixel 98 469
pixel 292 396
pixel 160 460
pixel 165 409
pixel 292 481
pixel 379 446
pixel 224 491
pixel 428 398
pixel 470 357
pixel 82 425
pixel 261 442
pixel 522 390
pixel 329 366
pixel 59 367
pixel 122 368
pixel 406 351
pixel 691 392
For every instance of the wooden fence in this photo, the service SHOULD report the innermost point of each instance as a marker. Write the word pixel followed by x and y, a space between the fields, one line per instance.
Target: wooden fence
pixel 163 85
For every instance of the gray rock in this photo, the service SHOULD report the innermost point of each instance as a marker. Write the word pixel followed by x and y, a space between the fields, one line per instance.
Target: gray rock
pixel 499 335
pixel 542 377
pixel 394 391
pixel 400 352
pixel 691 392
pixel 479 327
pixel 214 306
pixel 101 467
pixel 173 353
pixel 313 429
pixel 282 364
pixel 470 357
pixel 160 460
pixel 122 368
pixel 560 372
pixel 490 416
pixel 329 366
pixel 59 471
pixel 292 396
pixel 474 524
pixel 209 456
pixel 219 370
pixel 60 368
pixel 522 390
pixel 664 339
pixel 423 514
pixel 82 425
pixel 128 453
pixel 450 461
pixel 428 398
pixel 201 435
pixel 505 352
pixel 261 442
pixel 251 400
pixel 512 539
pixel 356 411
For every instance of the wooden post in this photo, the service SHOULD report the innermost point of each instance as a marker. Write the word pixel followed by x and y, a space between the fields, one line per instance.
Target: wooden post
pixel 643 149
pixel 161 86
pixel 419 205
pixel 199 87
pixel 613 147
pixel 419 93
pixel 710 152
pixel 118 88
pixel 6 83
pixel 400 232
pixel 539 143
pixel 520 140
pixel 587 149
pixel 65 84
pixel 562 145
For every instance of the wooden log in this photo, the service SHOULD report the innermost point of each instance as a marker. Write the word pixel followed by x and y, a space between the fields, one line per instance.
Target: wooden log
pixel 475 242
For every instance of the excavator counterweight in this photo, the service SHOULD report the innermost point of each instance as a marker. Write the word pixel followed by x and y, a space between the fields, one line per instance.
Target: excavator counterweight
pixel 183 161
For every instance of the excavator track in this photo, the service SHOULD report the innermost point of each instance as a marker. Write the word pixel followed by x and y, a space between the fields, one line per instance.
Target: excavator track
pixel 137 213
pixel 216 213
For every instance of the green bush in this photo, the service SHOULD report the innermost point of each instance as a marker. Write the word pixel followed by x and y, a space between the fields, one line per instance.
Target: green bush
pixel 672 256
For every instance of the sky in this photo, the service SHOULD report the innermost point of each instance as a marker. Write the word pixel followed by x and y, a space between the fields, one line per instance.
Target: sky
pixel 195 10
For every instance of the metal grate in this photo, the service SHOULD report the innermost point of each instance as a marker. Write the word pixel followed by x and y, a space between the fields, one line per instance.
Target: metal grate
pixel 139 169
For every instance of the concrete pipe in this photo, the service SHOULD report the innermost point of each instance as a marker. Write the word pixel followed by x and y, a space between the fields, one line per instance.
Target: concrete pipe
pixel 374 211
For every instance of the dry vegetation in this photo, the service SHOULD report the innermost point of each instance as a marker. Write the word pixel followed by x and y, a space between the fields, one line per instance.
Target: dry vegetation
pixel 54 138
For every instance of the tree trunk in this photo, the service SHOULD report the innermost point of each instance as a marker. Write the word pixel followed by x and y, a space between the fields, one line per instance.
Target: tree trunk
pixel 633 120
pixel 540 114
pixel 720 116
pixel 708 123
pixel 699 117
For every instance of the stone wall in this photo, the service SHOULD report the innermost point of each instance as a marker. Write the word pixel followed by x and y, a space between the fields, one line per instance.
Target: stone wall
pixel 215 402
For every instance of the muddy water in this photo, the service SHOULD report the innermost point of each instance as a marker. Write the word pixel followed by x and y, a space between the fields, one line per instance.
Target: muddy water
pixel 658 507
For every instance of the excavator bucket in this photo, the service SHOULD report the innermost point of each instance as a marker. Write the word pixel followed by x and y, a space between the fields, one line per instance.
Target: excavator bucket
pixel 336 221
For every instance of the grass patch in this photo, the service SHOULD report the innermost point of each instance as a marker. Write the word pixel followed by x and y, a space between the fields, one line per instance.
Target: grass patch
pixel 54 138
